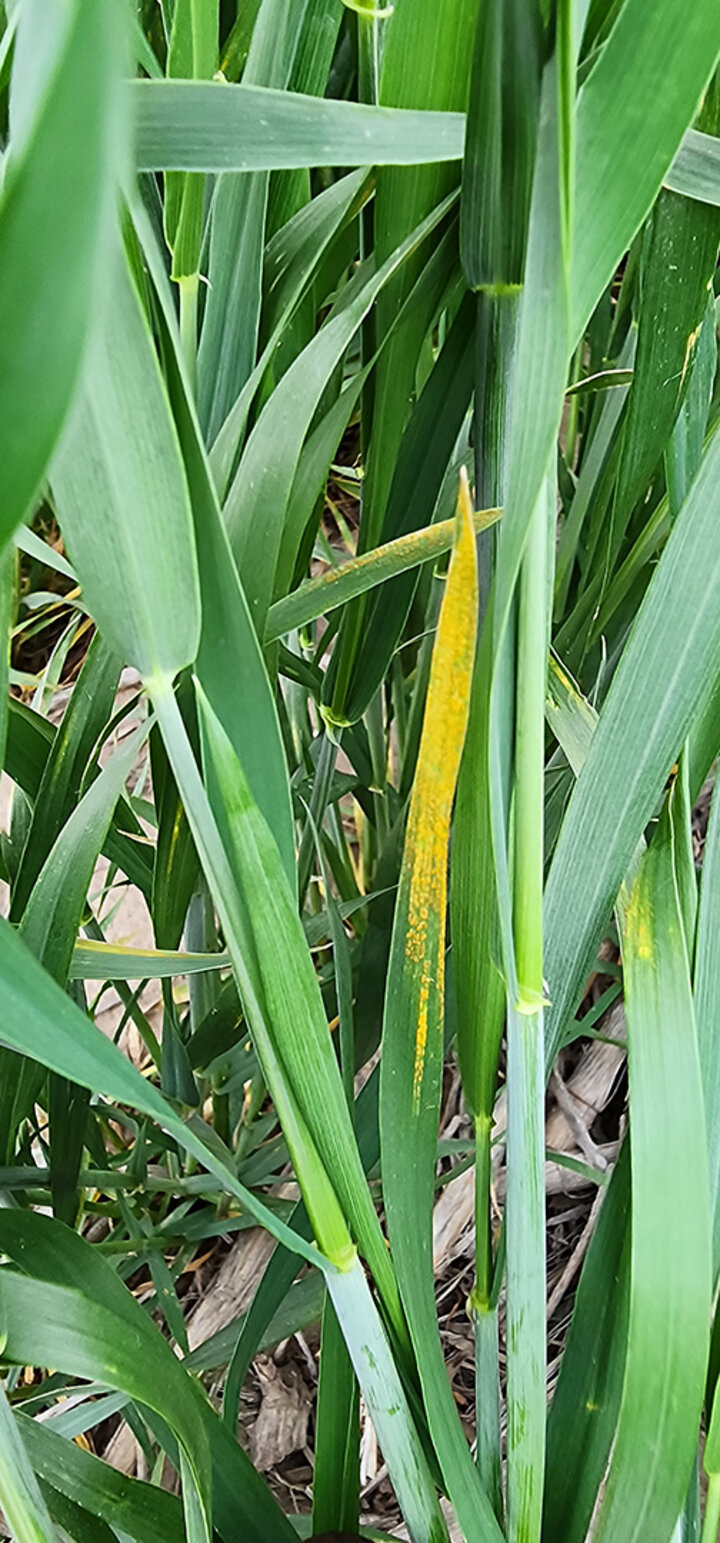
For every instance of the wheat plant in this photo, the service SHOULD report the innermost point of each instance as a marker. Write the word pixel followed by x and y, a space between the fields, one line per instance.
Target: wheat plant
pixel 358 395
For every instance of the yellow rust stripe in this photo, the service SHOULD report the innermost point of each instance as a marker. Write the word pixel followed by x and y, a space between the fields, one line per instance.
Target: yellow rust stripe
pixel 441 743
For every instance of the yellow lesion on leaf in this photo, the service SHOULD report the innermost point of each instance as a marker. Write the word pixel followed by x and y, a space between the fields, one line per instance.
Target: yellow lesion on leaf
pixel 443 734
pixel 638 922
pixel 689 350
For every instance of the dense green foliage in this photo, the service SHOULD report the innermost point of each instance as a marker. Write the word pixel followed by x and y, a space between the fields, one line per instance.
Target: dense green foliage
pixel 282 284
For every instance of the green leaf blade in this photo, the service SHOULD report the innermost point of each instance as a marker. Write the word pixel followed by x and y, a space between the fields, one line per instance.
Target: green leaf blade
pixel 122 495
pixel 670 1292
pixel 56 211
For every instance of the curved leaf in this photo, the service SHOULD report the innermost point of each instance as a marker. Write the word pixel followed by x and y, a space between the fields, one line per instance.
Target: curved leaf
pixel 193 126
pixel 56 207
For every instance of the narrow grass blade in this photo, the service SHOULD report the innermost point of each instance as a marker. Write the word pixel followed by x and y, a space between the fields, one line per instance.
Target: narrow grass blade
pixel 292 261
pixel 114 961
pixel 427 66
pixel 189 126
pixel 88 712
pixel 695 171
pixel 501 141
pixel 28 745
pixel 430 66
pixel 231 319
pixel 336 1471
pixel 685 450
pixel 51 918
pixel 670 1290
pixel 584 1411
pixel 495 208
pixel 256 504
pixel 143 1511
pixel 480 1005
pixel 319 597
pixel 275 1286
pixel 596 466
pixel 78 1335
pixel 122 496
pixel 627 133
pixel 516 720
pixel 707 1010
pixel 8 571
pixel 377 1374
pixel 56 208
pixel 310 74
pixel 424 470
pixel 132 1355
pixel 305 505
pixel 643 724
pixel 192 53
pixel 242 698
pixel 282 996
pixel 525 1202
pixel 40 1021
pixel 681 818
pixel 540 372
pixel 176 866
pixel 23 1505
pixel 679 260
pixel 412 1057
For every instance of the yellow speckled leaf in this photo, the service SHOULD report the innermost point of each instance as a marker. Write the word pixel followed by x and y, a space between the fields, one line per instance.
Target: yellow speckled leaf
pixel 411 1067
pixel 428 830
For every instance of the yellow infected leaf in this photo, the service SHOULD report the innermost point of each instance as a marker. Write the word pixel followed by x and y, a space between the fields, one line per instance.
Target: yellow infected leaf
pixel 443 734
pixel 638 927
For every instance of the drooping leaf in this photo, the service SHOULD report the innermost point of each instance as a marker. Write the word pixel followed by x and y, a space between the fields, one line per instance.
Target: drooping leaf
pixel 56 208
pixel 122 496
pixel 191 126
pixel 42 1022
pixel 144 1511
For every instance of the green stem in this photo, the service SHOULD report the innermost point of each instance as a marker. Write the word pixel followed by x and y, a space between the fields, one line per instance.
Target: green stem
pixel 375 725
pixel 525 1233
pixel 258 1093
pixel 711 1519
pixel 188 324
pixel 525 1205
pixel 573 407
pixel 201 937
pixel 318 805
pixel 221 1117
pixel 487 1420
pixel 483 1242
pixel 368 41
pixel 485 1324
pixel 368 49
pixel 529 761
pixel 387 1404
